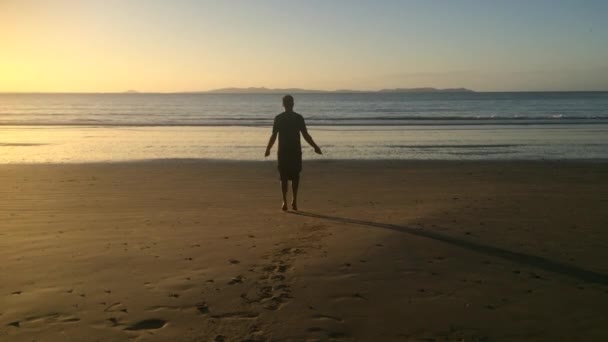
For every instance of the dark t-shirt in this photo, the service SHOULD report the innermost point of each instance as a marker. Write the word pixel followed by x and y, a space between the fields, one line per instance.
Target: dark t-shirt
pixel 289 125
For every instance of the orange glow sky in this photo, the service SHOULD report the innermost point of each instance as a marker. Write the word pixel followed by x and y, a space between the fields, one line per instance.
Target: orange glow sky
pixel 166 46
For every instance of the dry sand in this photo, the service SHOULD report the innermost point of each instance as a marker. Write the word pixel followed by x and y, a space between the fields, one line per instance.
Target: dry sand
pixel 381 251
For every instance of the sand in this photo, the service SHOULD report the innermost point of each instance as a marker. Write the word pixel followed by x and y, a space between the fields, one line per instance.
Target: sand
pixel 381 251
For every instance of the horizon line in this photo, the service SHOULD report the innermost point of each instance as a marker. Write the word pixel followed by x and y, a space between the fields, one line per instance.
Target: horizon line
pixel 300 91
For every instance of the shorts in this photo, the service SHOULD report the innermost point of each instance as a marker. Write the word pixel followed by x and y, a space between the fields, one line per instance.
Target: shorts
pixel 290 167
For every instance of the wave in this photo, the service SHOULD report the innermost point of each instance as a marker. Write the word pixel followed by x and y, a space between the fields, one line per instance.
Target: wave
pixel 375 124
pixel 158 120
pixel 454 146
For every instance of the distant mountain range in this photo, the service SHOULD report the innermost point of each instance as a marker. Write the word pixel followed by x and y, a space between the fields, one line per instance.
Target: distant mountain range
pixel 426 90
pixel 262 90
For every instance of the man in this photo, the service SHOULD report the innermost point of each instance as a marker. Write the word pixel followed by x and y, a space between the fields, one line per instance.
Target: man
pixel 288 125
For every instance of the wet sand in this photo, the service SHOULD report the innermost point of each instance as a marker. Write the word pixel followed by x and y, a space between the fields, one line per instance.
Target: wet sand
pixel 380 251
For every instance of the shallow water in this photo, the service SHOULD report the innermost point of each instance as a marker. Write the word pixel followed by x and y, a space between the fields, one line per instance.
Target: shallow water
pixel 53 128
pixel 331 109
pixel 75 144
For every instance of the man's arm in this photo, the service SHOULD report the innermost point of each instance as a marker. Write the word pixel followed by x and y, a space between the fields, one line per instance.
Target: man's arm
pixel 273 137
pixel 271 141
pixel 311 142
pixel 308 138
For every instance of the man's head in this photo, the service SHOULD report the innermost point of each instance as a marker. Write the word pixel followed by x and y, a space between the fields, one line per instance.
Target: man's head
pixel 288 102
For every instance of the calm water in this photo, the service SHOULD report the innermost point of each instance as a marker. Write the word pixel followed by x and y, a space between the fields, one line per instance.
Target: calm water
pixel 319 109
pixel 117 127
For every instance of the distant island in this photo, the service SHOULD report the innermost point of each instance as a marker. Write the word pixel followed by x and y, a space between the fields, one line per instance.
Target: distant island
pixel 426 90
pixel 263 90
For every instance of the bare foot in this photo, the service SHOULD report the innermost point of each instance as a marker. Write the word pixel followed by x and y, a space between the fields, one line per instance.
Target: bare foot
pixel 294 206
pixel 284 207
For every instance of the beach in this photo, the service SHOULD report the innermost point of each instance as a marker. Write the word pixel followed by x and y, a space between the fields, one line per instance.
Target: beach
pixel 189 250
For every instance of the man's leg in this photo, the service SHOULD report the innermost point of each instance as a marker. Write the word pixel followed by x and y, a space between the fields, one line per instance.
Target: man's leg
pixel 284 184
pixel 295 183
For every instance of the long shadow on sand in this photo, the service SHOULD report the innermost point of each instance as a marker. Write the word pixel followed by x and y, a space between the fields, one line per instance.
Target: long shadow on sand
pixel 521 258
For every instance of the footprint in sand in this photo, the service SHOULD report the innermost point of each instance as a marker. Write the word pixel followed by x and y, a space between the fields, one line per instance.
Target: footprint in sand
pixel 148 324
pixel 330 334
pixel 327 318
pixel 290 251
pixel 114 307
pixel 355 296
pixel 115 322
pixel 237 315
pixel 202 307
pixel 346 265
pixel 52 318
pixel 282 268
pixel 236 280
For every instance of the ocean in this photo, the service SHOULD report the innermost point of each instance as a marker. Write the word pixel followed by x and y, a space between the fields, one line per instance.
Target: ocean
pixel 58 128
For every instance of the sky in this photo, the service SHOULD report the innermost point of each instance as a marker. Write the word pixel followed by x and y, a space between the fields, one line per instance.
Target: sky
pixel 181 45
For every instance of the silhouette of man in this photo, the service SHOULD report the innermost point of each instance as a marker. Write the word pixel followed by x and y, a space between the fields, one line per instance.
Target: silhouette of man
pixel 288 125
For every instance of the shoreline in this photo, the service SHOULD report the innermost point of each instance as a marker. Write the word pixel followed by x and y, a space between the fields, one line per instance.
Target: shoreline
pixel 77 145
pixel 194 161
pixel 403 123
